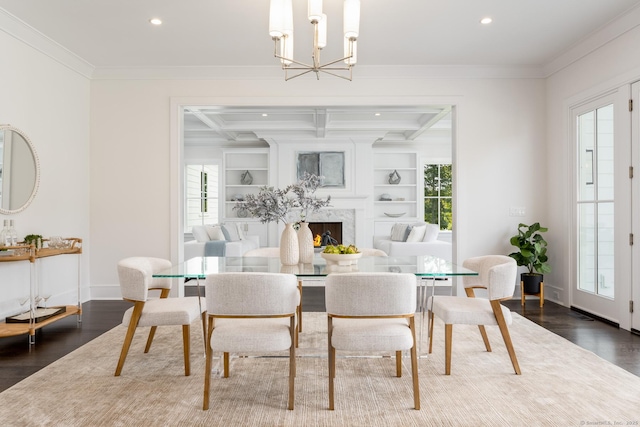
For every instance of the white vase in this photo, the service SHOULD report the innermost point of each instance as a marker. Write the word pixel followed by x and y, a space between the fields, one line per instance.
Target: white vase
pixel 305 243
pixel 289 250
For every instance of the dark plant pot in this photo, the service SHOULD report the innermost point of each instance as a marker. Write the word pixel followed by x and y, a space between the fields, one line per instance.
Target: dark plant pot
pixel 531 282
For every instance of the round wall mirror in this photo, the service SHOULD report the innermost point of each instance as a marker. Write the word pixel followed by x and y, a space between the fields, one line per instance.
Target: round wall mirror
pixel 19 170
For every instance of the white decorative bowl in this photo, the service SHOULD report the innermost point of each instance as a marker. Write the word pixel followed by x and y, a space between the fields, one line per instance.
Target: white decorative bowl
pixel 341 259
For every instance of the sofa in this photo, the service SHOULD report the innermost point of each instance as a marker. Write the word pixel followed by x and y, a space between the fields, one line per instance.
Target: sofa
pixel 219 240
pixel 413 239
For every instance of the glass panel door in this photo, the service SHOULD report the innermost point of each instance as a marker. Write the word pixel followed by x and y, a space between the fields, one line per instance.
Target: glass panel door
pixel 602 207
pixel 596 202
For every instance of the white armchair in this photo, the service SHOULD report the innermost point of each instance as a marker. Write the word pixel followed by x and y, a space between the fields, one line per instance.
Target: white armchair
pixel 135 275
pixel 248 313
pixel 497 274
pixel 372 312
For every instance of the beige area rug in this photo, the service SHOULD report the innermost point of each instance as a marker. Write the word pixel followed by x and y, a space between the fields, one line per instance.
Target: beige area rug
pixel 561 385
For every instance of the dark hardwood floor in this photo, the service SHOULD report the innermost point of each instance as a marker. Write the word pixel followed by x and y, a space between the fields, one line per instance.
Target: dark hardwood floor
pixel 18 360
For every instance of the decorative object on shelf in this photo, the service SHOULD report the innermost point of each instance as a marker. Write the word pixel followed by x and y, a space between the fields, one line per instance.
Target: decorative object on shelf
pixel 242 213
pixel 237 197
pixel 327 240
pixel 281 32
pixel 394 177
pixel 394 215
pixel 33 239
pixel 385 197
pixel 289 247
pixel 305 243
pixel 246 178
pixel 39 314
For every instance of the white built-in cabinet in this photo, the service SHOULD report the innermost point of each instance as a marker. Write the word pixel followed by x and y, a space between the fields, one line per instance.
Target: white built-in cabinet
pixel 406 196
pixel 236 164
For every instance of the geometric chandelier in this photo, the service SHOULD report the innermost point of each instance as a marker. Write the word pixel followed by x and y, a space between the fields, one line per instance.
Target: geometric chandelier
pixel 281 31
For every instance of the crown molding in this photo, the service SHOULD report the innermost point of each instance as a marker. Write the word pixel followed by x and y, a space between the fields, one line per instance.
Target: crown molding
pixel 20 30
pixel 359 72
pixel 605 34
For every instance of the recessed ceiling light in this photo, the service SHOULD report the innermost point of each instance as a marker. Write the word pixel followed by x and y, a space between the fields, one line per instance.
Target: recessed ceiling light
pixel 264 114
pixel 155 21
pixel 377 114
pixel 486 20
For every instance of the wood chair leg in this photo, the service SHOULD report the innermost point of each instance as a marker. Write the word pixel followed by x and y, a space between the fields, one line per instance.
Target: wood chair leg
pixel 152 333
pixel 292 362
pixel 398 364
pixel 186 341
pixel 485 338
pixel 504 330
pixel 414 365
pixel 332 362
pixel 133 324
pixel 164 293
pixel 448 335
pixel 226 365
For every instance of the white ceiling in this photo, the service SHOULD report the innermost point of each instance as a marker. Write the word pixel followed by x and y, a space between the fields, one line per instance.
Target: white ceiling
pixel 116 33
pixel 233 35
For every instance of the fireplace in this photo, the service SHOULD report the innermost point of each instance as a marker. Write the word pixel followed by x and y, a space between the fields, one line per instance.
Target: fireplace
pixel 335 228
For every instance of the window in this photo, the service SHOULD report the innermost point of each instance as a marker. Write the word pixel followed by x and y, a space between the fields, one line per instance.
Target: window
pixel 202 189
pixel 596 201
pixel 437 195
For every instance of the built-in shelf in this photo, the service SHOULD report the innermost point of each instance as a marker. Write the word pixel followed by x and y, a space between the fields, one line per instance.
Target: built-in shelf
pixel 406 165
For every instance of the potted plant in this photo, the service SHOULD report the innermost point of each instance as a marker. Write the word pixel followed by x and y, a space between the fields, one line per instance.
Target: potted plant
pixel 532 254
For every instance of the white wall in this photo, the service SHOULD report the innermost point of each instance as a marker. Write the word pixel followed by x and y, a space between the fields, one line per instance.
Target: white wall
pixel 500 123
pixel 105 149
pixel 614 65
pixel 49 103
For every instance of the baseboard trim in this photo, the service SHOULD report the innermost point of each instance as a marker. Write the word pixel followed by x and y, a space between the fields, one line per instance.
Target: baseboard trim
pixel 595 316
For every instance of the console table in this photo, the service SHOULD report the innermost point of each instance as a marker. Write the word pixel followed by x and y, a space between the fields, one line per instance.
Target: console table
pixel 31 254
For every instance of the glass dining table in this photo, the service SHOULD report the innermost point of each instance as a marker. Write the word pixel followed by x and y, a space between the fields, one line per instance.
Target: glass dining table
pixel 431 271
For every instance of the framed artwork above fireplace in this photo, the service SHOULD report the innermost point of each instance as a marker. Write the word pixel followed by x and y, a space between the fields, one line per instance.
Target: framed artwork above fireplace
pixel 328 164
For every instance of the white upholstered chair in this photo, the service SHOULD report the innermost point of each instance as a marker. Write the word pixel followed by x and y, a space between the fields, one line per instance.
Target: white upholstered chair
pixel 135 275
pixel 274 252
pixel 372 312
pixel 497 274
pixel 249 313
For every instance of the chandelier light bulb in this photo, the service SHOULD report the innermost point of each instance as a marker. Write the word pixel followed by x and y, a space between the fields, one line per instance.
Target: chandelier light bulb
pixel 314 10
pixel 276 18
pixel 351 18
pixel 322 31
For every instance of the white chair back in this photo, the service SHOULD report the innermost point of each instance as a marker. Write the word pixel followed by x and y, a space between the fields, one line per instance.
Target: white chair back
pixel 135 276
pixel 370 294
pixel 239 294
pixel 496 273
